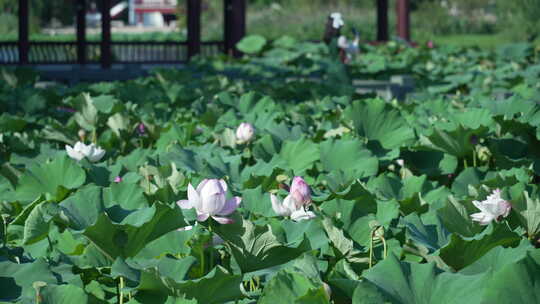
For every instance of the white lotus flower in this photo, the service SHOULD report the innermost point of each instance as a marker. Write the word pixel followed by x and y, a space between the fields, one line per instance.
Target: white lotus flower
pixel 79 151
pixel 245 132
pixel 491 209
pixel 209 200
pixel 337 20
pixel 290 208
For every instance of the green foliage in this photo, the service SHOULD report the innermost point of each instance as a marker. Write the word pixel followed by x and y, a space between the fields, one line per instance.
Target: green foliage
pixel 392 182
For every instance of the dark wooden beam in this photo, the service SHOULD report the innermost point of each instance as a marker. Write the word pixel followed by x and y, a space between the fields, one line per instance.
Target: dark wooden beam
pixel 382 20
pixel 106 54
pixel 193 27
pixel 403 19
pixel 227 7
pixel 81 31
pixel 24 32
pixel 235 25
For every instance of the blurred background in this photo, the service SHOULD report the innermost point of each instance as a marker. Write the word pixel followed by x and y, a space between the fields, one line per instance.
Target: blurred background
pixel 485 23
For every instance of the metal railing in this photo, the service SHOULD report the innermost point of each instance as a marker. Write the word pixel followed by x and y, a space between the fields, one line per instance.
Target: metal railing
pixel 143 52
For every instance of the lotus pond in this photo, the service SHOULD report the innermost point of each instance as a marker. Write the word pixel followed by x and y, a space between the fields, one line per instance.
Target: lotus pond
pixel 268 179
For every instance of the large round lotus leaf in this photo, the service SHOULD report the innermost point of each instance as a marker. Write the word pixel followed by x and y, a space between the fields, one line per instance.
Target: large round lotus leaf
pixel 251 44
pixel 411 283
pixel 51 179
pixel 374 119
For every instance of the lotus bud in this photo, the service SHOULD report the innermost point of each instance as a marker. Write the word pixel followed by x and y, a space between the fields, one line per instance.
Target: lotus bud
pixel 82 135
pixel 430 44
pixel 327 290
pixel 117 179
pixel 245 132
pixel 483 153
pixel 300 191
pixel 141 129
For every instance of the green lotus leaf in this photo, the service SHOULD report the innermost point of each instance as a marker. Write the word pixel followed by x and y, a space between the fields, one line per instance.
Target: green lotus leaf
pixel 515 282
pixel 251 44
pixel 63 294
pixel 53 179
pixel 349 156
pixel 293 287
pixel 374 119
pixel 461 252
pixel 124 236
pixel 255 247
pixel 411 283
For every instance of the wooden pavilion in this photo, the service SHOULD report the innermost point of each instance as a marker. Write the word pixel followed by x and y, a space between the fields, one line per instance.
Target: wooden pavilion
pixel 106 52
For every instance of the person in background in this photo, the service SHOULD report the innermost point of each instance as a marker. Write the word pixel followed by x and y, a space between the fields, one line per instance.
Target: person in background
pixel 348 49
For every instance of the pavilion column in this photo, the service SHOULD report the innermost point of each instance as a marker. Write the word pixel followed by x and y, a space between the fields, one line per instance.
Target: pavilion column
pixel 193 27
pixel 24 41
pixel 235 25
pixel 403 19
pixel 382 20
pixel 81 31
pixel 106 54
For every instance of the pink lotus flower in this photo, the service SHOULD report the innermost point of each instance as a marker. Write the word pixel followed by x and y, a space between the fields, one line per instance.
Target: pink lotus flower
pixel 430 44
pixel 295 204
pixel 209 200
pixel 300 191
pixel 492 208
pixel 117 179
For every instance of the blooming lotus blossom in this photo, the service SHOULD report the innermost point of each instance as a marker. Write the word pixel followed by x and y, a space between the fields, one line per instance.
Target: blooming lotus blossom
pixel 491 209
pixel 337 20
pixel 294 205
pixel 79 151
pixel 245 132
pixel 289 208
pixel 209 200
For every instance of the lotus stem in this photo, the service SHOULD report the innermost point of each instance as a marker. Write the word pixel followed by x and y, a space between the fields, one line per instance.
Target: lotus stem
pixel 211 256
pixel 371 248
pixel 121 293
pixel 251 285
pixel 474 158
pixel 202 262
pixel 465 163
pixel 50 245
pixel 385 253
